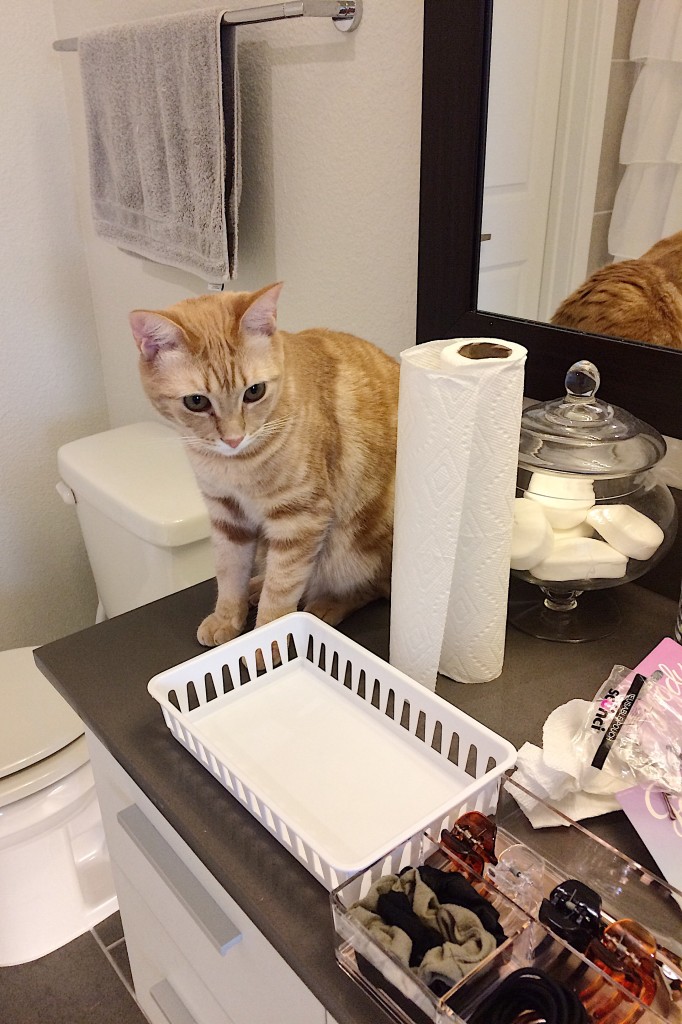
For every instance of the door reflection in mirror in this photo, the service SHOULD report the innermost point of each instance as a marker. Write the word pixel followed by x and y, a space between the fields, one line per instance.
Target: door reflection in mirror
pixel 579 93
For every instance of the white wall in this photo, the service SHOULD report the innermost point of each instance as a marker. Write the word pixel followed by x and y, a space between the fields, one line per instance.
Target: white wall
pixel 52 385
pixel 331 144
pixel 330 205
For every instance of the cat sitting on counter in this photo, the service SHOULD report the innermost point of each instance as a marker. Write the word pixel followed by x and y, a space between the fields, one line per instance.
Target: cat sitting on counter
pixel 292 439
pixel 638 299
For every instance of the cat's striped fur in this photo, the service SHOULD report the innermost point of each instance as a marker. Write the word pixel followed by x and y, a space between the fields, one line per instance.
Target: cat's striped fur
pixel 304 472
pixel 638 299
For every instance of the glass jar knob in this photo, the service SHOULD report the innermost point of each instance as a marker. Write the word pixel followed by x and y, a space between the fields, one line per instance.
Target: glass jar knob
pixel 581 406
pixel 582 380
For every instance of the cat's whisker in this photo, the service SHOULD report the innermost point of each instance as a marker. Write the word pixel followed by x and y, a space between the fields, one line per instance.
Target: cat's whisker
pixel 165 442
pixel 271 427
pixel 192 441
pixel 198 442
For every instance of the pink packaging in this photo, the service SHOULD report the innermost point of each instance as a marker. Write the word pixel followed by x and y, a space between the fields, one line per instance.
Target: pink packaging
pixel 658 818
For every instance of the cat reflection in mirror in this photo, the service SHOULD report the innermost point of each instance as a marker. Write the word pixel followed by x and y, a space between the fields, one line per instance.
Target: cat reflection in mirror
pixel 292 441
pixel 638 299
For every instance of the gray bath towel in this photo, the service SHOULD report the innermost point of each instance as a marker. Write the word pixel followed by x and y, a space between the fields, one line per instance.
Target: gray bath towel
pixel 162 118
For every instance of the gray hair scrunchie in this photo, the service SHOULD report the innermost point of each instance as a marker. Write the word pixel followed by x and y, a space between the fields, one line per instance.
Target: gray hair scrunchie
pixel 465 941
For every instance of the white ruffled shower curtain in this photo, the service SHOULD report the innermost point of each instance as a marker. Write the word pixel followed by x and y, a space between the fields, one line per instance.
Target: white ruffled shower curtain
pixel 648 204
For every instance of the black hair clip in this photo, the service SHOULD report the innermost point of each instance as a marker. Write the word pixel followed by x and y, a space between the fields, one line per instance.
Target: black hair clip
pixel 573 912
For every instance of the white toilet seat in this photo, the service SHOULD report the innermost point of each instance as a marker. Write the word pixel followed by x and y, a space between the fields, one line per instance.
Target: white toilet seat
pixel 55 875
pixel 37 729
pixel 47 808
pixel 43 774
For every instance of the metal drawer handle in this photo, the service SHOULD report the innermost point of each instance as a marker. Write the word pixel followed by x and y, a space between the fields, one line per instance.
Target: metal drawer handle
pixel 170 1004
pixel 198 903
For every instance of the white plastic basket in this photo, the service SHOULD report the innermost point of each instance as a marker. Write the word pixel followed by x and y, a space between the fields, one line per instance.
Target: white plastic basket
pixel 339 755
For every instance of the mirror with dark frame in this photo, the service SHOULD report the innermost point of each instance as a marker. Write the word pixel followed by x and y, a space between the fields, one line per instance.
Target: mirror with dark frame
pixel 642 378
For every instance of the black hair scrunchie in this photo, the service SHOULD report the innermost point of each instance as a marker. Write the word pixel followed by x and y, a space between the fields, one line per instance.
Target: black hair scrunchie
pixel 530 989
pixel 452 887
pixel 395 909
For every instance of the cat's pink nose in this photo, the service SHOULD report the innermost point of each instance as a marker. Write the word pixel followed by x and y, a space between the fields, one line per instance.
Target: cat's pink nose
pixel 234 442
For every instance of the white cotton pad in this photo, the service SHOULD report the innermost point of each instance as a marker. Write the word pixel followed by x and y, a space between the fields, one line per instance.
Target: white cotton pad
pixel 626 530
pixel 547 782
pixel 532 536
pixel 557 775
pixel 581 558
pixel 563 757
pixel 576 806
pixel 566 500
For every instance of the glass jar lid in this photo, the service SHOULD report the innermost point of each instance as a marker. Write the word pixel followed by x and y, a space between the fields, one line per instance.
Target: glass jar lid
pixel 583 435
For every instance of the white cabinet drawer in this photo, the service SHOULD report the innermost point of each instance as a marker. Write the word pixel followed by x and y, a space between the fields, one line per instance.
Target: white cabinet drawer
pixel 228 954
pixel 167 988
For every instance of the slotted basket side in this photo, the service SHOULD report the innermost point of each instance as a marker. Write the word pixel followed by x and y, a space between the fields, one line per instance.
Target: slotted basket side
pixel 465 742
pixel 295 843
pixel 450 733
pixel 187 692
pixel 482 797
pixel 195 683
pixel 411 852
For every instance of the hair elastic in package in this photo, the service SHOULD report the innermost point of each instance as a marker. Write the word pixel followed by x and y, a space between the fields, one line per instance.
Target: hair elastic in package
pixel 530 995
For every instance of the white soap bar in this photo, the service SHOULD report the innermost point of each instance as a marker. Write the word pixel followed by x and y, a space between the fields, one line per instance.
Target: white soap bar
pixel 581 530
pixel 626 530
pixel 581 558
pixel 532 536
pixel 565 499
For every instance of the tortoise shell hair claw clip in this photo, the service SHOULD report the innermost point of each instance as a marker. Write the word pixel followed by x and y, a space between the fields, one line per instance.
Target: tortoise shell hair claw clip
pixel 472 840
pixel 623 950
pixel 626 952
pixel 516 872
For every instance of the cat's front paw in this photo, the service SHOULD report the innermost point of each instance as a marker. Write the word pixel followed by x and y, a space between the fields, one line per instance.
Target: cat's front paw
pixel 215 630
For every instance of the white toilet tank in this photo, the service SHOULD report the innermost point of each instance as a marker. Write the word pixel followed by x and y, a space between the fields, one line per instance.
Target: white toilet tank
pixel 144 522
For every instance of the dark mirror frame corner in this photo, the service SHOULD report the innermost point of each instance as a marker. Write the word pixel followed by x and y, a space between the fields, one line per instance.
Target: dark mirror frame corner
pixel 644 379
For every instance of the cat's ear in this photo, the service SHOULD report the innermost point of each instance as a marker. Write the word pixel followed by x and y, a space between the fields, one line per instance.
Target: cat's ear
pixel 154 333
pixel 261 315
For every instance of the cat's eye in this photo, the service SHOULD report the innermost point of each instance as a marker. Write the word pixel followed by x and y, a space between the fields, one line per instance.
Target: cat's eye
pixel 255 392
pixel 196 403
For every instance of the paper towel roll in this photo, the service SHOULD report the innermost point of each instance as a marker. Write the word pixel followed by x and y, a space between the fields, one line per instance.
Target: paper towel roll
pixel 459 419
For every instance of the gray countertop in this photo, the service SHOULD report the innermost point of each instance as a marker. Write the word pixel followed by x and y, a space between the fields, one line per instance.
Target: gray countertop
pixel 103 673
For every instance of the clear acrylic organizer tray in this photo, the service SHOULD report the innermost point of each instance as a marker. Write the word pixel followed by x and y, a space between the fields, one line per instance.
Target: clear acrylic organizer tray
pixel 340 756
pixel 565 851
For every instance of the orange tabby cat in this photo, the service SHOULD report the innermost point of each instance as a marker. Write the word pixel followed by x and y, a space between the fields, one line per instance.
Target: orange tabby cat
pixel 637 299
pixel 292 440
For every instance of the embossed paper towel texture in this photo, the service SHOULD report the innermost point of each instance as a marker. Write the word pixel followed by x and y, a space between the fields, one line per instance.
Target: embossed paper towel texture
pixel 458 432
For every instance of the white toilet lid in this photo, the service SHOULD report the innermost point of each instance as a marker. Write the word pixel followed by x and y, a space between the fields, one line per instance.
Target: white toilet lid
pixel 35 721
pixel 140 477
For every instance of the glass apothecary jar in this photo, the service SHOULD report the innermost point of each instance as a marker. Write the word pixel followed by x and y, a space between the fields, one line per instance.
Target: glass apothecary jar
pixel 590 512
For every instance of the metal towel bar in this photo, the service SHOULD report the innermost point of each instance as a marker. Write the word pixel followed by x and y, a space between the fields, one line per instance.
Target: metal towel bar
pixel 345 16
